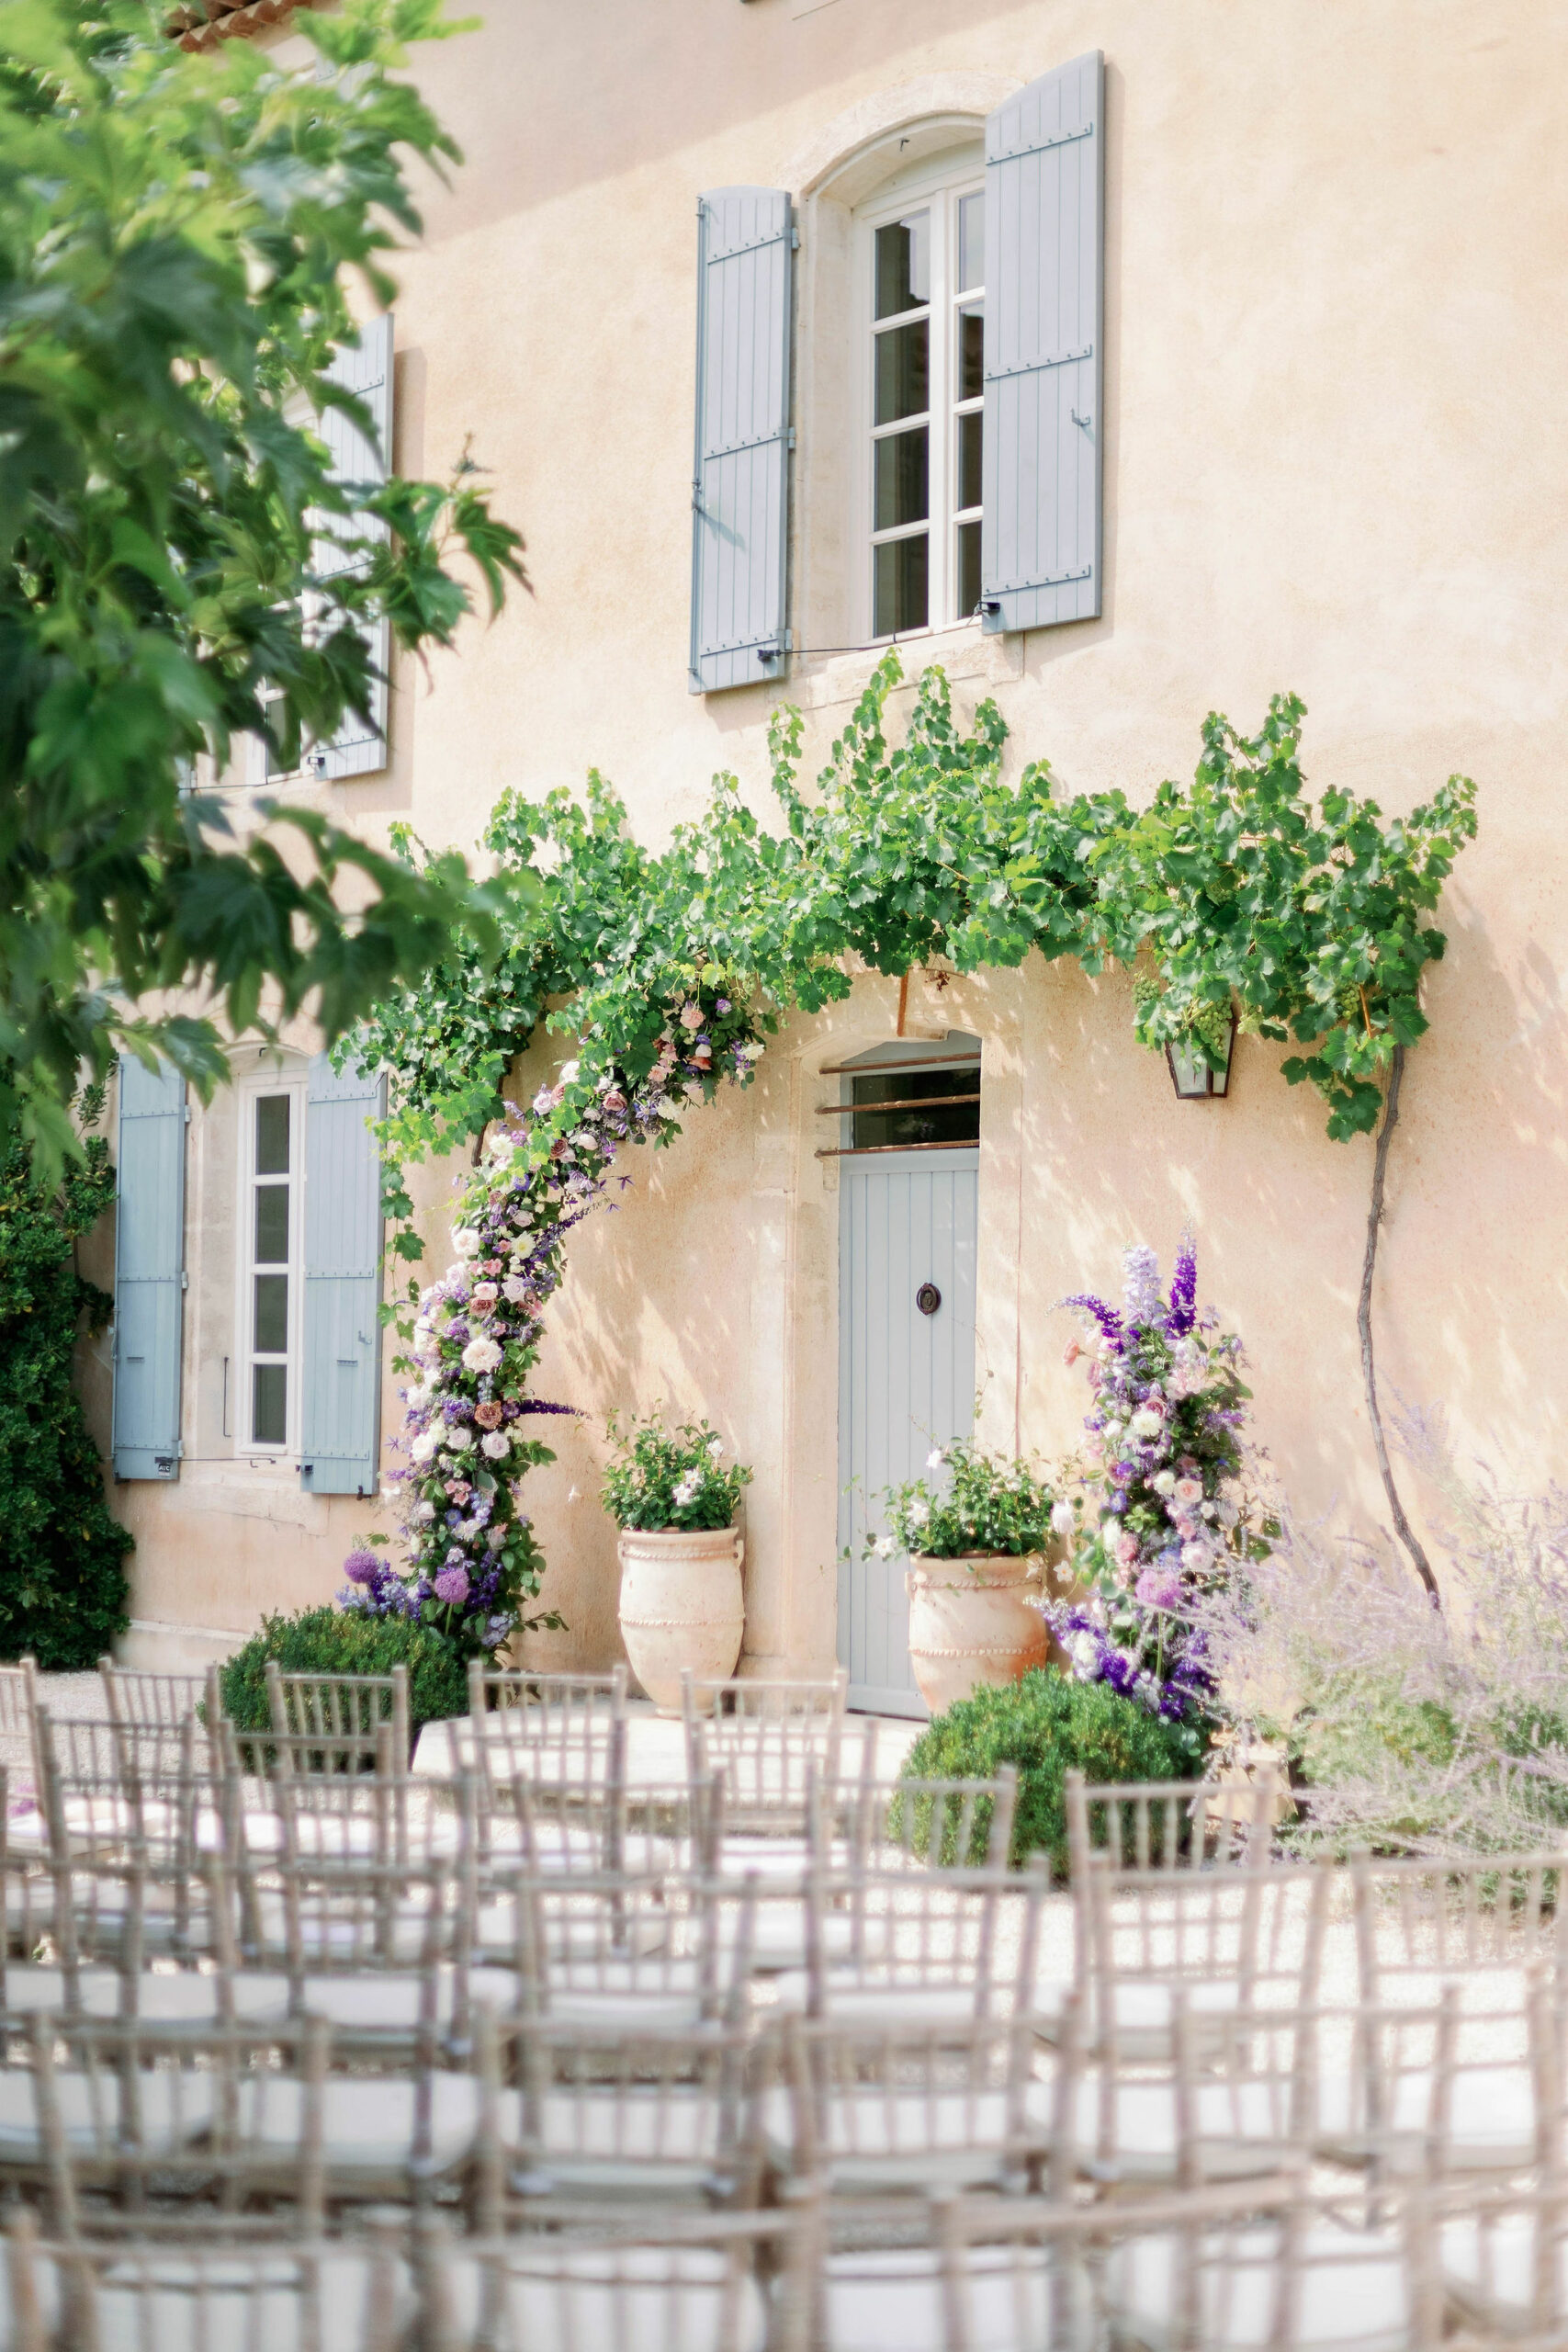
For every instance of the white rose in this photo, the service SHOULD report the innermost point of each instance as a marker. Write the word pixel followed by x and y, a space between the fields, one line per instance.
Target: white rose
pixel 466 1242
pixel 569 1073
pixel 1163 1482
pixel 496 1444
pixel 1146 1424
pixel 482 1355
pixel 458 1439
pixel 424 1444
pixel 1064 1518
pixel 1084 1651
pixel 514 1290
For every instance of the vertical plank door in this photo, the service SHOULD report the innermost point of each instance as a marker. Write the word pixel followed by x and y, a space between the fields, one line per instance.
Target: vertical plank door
pixel 906 1383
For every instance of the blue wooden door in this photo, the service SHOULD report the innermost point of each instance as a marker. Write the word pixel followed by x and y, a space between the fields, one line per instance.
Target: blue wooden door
pixel 905 1382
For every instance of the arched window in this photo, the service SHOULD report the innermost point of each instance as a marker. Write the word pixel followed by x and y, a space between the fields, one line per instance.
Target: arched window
pixel 920 325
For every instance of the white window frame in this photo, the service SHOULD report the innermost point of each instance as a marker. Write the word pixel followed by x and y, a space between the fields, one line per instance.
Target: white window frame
pixel 936 189
pixel 249 1092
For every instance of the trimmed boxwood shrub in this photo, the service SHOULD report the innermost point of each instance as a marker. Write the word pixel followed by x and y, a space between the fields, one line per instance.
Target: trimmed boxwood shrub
pixel 1047 1725
pixel 328 1640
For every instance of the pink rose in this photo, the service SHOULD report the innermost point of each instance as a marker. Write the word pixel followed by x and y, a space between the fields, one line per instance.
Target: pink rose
pixel 485 1294
pixel 1071 1353
pixel 1189 1490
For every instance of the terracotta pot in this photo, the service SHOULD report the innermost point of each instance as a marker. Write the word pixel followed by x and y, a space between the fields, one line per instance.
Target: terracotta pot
pixel 681 1606
pixel 974 1620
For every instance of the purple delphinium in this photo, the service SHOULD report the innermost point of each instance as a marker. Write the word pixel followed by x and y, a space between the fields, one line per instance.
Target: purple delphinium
pixel 1183 1290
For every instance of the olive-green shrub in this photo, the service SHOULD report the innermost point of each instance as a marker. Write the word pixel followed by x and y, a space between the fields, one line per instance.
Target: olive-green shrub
pixel 328 1641
pixel 1047 1725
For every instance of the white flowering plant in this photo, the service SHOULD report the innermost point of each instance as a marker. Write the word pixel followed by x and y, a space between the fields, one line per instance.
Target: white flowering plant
pixel 969 1501
pixel 472 1563
pixel 660 1479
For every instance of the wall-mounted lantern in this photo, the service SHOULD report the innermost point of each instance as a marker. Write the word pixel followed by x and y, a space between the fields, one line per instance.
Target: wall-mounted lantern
pixel 1190 1074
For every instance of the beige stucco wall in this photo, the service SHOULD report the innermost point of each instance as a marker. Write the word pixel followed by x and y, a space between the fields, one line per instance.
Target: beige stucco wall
pixel 1335 408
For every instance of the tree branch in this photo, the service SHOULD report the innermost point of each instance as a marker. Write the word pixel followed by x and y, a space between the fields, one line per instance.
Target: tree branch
pixel 1364 1325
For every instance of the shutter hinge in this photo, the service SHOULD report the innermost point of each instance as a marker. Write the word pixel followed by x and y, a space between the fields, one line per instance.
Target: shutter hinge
pixel 793 239
pixel 187 1113
pixel 791 436
pixel 184 1279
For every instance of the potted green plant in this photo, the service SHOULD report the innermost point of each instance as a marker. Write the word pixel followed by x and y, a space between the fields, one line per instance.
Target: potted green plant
pixel 976 1527
pixel 673 1493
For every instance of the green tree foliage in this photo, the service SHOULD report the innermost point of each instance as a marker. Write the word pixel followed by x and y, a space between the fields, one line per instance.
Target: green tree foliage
pixel 1047 1725
pixel 62 1579
pixel 1306 913
pixel 177 234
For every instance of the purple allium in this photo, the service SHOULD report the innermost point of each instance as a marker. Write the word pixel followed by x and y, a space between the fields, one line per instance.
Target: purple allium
pixel 361 1566
pixel 1159 1588
pixel 452 1586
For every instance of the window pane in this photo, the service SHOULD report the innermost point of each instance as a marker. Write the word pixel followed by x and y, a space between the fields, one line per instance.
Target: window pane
pixel 942 1122
pixel 272 1225
pixel 272 1136
pixel 269 1404
pixel 970 351
pixel 272 1315
pixel 971 241
pixel 970 431
pixel 968 569
pixel 899 585
pixel 903 371
pixel 901 474
pixel 903 264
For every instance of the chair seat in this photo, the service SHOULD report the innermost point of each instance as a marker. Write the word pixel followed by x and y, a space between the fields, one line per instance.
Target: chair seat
pixel 561 2297
pixel 629 2006
pixel 855 2003
pixel 1242 2132
pixel 1353 2293
pixel 174 2109
pixel 178 2303
pixel 879 2300
pixel 1489 2273
pixel 1492 2123
pixel 367 2123
pixel 495 1930
pixel 638 2123
pixel 886 2142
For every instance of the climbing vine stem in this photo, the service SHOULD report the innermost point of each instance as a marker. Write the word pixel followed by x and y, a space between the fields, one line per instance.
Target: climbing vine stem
pixel 1403 1528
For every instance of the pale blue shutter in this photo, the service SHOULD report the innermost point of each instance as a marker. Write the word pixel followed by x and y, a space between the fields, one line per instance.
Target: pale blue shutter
pixel 1044 335
pixel 340 1345
pixel 363 368
pixel 741 485
pixel 148 1271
